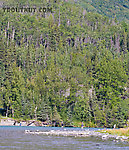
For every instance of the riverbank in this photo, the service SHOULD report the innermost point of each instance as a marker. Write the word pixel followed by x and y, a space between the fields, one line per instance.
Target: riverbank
pixel 118 132
pixel 11 122
pixel 83 133
pixel 12 137
pixel 14 122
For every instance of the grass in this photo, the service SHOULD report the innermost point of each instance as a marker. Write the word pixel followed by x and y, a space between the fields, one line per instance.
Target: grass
pixel 119 132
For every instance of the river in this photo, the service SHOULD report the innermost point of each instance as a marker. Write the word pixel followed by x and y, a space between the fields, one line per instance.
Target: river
pixel 14 138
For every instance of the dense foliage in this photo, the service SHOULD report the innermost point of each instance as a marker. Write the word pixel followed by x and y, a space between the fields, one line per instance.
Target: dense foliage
pixel 69 65
pixel 110 8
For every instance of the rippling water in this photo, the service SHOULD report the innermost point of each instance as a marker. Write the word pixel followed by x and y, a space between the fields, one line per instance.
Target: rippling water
pixel 14 138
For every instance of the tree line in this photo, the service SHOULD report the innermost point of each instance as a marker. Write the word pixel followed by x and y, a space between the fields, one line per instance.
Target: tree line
pixel 69 65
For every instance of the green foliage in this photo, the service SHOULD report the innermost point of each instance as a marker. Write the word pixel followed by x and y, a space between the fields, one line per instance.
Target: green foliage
pixel 112 8
pixel 70 65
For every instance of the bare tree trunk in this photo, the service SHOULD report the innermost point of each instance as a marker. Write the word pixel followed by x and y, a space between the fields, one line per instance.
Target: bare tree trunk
pixel 13 34
pixel 7 111
pixel 13 113
pixel 35 113
pixel 8 33
pixel 59 17
pixel 5 33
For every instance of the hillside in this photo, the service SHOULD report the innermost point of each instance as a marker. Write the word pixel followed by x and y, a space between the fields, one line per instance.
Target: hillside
pixel 110 8
pixel 67 65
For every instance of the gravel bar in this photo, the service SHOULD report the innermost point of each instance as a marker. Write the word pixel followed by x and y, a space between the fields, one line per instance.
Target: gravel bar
pixel 73 133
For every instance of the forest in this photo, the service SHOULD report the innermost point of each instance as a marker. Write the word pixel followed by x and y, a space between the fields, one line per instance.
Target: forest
pixel 69 65
pixel 112 8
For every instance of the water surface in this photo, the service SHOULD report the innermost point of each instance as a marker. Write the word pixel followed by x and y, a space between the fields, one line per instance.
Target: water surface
pixel 14 138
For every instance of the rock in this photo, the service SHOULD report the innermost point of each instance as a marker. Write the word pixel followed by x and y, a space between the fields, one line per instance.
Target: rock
pixel 27 131
pixel 124 137
pixel 104 137
pixel 118 137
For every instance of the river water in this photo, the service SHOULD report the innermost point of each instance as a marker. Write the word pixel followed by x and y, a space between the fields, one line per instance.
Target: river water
pixel 14 138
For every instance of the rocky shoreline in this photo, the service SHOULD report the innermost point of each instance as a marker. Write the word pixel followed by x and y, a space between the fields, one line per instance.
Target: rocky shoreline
pixel 13 122
pixel 84 133
pixel 63 132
